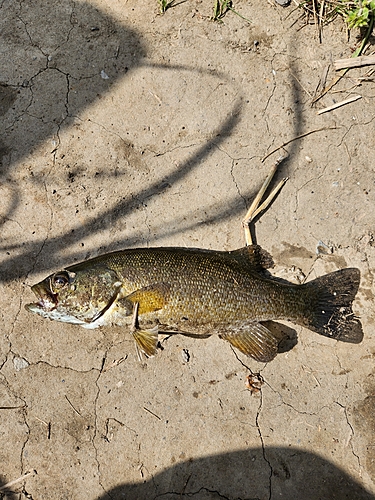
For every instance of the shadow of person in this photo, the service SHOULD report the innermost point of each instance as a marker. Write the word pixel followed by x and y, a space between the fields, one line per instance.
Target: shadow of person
pixel 278 473
pixel 5 492
pixel 57 59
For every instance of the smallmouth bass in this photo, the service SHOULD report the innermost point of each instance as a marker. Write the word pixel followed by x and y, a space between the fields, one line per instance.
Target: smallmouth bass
pixel 198 292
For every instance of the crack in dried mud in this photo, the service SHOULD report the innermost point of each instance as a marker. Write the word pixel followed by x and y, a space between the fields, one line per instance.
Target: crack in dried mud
pixel 257 423
pixel 192 494
pixel 95 433
pixel 245 76
pixel 23 412
pixel 263 445
pixel 350 441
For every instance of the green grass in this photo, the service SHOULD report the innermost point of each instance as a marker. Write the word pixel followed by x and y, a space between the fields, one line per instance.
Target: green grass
pixel 356 13
pixel 166 4
pixel 221 7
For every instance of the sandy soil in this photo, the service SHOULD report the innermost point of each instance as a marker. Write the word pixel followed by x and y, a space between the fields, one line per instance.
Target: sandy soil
pixel 120 128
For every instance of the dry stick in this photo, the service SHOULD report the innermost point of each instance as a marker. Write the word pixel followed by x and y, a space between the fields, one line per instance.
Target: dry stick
pixel 327 89
pixel 357 82
pixel 295 138
pixel 66 397
pixel 321 12
pixel 11 407
pixel 322 80
pixel 339 104
pixel 357 53
pixel 256 208
pixel 300 84
pixel 354 63
pixel 15 481
pixel 152 413
pixel 315 18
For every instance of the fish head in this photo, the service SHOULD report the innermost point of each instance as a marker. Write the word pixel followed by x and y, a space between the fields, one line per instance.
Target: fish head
pixel 78 297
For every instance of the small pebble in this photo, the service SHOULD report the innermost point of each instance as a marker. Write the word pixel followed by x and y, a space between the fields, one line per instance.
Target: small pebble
pixel 323 249
pixel 20 363
pixel 283 3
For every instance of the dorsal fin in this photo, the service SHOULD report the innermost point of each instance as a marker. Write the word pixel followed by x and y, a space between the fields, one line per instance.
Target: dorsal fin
pixel 253 256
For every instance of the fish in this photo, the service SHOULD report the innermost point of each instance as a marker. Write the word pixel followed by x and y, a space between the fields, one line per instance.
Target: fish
pixel 199 292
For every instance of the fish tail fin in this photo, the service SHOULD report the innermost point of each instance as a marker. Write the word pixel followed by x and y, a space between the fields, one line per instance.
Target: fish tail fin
pixel 329 306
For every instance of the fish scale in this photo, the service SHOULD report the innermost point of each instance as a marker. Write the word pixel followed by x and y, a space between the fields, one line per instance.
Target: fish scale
pixel 203 286
pixel 199 292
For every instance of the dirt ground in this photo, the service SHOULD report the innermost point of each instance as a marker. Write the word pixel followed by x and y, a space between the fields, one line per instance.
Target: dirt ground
pixel 124 128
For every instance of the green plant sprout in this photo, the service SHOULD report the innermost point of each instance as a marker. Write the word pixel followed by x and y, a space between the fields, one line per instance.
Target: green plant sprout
pixel 221 7
pixel 358 14
pixel 166 4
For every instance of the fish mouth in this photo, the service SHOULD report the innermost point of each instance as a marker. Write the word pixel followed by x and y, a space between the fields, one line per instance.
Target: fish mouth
pixel 47 300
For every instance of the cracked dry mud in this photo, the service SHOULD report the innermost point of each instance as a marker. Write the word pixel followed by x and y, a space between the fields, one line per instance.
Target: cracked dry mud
pixel 124 128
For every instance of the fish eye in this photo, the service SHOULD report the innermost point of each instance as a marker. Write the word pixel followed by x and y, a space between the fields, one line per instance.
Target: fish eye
pixel 60 280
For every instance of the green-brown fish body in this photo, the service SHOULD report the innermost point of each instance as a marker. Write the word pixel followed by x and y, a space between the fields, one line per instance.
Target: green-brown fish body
pixel 199 292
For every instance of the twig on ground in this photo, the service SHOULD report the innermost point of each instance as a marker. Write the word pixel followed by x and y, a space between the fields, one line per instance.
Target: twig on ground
pixel 76 411
pixel 296 138
pixel 115 362
pixel 339 104
pixel 15 481
pixel 152 413
pixel 354 63
pixel 356 54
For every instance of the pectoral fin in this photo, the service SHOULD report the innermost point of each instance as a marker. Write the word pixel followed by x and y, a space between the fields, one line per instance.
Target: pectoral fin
pixel 150 298
pixel 255 340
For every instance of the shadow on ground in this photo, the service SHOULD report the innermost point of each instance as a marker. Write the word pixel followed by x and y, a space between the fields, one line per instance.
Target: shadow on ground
pixel 58 58
pixel 56 74
pixel 6 494
pixel 50 77
pixel 282 473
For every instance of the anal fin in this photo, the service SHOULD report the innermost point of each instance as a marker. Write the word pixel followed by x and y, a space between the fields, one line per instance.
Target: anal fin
pixel 254 340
